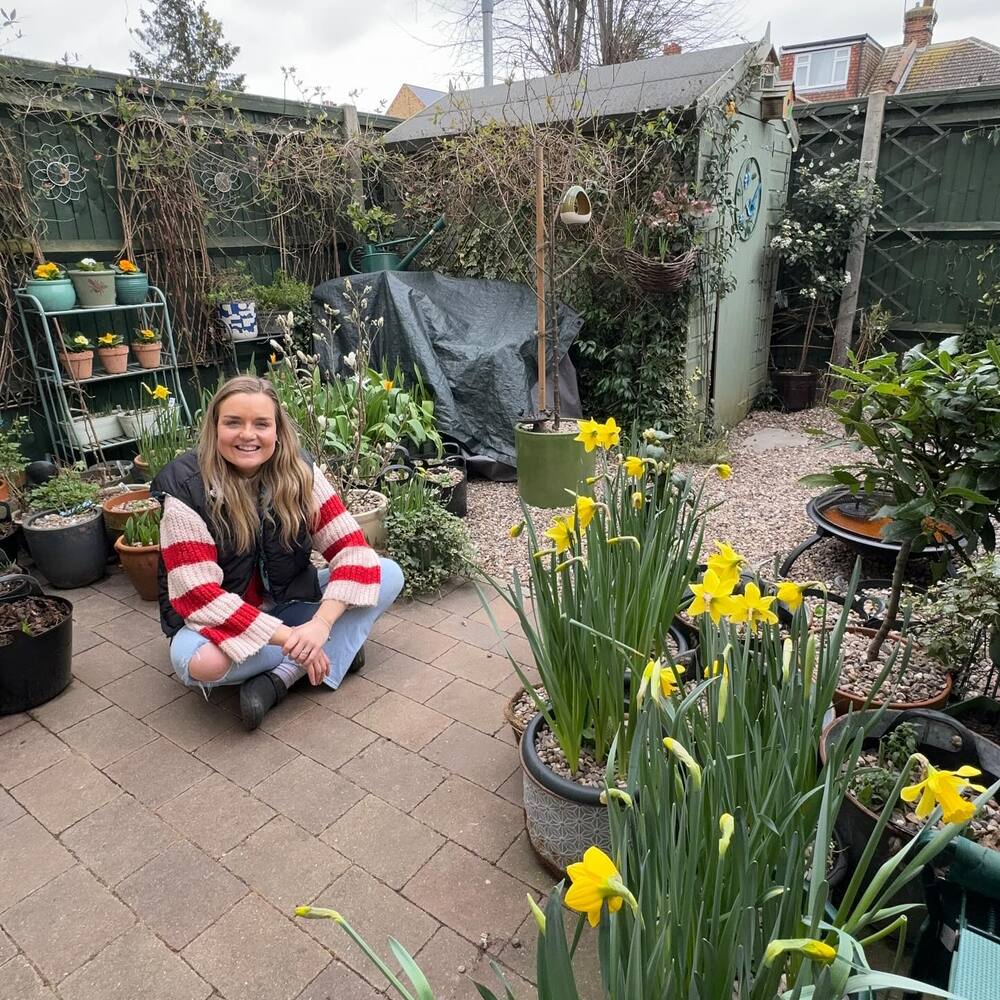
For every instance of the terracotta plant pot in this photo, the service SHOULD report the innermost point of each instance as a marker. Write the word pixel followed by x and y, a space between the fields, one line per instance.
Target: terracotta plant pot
pixel 79 365
pixel 141 469
pixel 114 516
pixel 148 355
pixel 114 359
pixel 141 565
pixel 844 700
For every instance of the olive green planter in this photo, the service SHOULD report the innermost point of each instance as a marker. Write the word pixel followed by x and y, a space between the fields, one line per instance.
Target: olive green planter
pixel 548 464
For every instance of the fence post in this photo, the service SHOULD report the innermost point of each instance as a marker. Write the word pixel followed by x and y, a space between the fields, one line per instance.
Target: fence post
pixel 867 169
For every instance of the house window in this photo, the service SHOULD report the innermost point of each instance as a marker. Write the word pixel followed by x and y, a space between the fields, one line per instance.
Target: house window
pixel 824 69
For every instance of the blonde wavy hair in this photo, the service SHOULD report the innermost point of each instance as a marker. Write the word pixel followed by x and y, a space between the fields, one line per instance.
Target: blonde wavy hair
pixel 285 479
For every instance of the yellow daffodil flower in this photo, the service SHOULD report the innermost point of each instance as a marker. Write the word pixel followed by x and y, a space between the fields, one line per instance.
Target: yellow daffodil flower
pixel 725 560
pixel 818 951
pixel 127 267
pixel 608 434
pixel 107 339
pixel 713 597
pixel 515 529
pixel 635 467
pixel 590 434
pixel 387 384
pixel 753 608
pixel 726 827
pixel 724 471
pixel 663 677
pixel 585 508
pixel 562 532
pixel 790 594
pixel 596 880
pixel 160 392
pixel 944 788
pixel 638 499
pixel 685 758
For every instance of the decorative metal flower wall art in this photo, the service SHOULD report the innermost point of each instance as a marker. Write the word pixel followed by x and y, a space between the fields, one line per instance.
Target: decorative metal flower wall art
pixel 58 174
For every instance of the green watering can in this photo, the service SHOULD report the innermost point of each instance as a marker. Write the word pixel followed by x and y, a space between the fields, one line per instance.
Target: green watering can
pixel 376 256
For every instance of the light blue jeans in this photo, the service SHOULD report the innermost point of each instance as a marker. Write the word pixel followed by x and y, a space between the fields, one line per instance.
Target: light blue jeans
pixel 348 636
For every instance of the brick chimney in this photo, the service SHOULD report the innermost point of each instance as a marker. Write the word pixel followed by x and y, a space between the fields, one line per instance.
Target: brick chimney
pixel 918 24
pixel 671 49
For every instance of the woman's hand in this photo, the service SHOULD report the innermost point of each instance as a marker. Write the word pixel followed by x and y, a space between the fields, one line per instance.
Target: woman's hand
pixel 304 644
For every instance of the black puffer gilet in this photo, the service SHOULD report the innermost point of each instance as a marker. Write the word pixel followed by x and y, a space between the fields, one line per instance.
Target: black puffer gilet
pixel 287 574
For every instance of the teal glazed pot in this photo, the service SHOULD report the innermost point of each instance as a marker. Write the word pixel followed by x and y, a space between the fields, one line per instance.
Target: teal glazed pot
pixel 55 296
pixel 131 289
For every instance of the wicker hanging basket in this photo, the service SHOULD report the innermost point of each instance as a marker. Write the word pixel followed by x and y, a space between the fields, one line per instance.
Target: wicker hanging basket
pixel 660 276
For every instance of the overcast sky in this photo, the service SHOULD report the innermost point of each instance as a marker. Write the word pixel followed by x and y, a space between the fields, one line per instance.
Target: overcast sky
pixel 362 50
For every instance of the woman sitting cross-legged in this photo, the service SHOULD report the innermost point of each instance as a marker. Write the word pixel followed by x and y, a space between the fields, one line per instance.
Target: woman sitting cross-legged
pixel 240 598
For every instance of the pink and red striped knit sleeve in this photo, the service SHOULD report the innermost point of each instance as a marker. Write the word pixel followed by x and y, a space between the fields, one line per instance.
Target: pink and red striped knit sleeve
pixel 355 574
pixel 194 586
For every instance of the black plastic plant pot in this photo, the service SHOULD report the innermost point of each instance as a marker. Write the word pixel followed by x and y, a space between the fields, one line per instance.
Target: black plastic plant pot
pixel 34 668
pixel 563 818
pixel 71 556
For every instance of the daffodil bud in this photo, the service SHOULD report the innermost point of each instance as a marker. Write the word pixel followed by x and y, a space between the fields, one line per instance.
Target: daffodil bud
pixel 536 912
pixel 615 793
pixel 786 659
pixel 516 529
pixel 726 826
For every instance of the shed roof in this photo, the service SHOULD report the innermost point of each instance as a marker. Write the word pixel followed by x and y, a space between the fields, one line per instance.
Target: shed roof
pixel 674 81
pixel 426 94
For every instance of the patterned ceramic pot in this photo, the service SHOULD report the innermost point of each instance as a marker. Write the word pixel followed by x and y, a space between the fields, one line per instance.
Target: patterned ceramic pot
pixel 563 818
pixel 239 319
pixel 94 289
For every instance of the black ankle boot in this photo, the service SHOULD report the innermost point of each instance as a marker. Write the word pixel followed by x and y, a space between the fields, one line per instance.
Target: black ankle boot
pixel 257 696
pixel 358 662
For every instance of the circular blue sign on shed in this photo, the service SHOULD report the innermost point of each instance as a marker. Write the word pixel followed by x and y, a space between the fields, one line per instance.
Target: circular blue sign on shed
pixel 747 197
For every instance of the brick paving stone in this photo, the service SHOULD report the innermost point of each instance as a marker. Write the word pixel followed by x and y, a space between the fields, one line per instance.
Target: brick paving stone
pixel 471 816
pixel 447 961
pixel 339 982
pixel 467 894
pixel 463 600
pixel 65 793
pixel 245 758
pixel 474 664
pixel 512 683
pixel 10 808
pixel 10 722
pixel 292 706
pixel 108 736
pixel 384 623
pixel 143 691
pixel 474 633
pixel 472 754
pixel 215 814
pixel 96 608
pixel 29 857
pixel 586 962
pixel 19 981
pixel 26 751
pixel 506 734
pixel 398 776
pixel 76 703
pixel 130 630
pixel 403 721
pixel 156 652
pixel 375 653
pixel 308 793
pixel 376 913
pixel 417 641
pixel 418 612
pixel 7 948
pixel 354 695
pixel 285 864
pixel 256 953
pixel 521 861
pixel 466 702
pixel 118 838
pixel 149 608
pixel 181 892
pixel 103 663
pixel 503 614
pixel 157 772
pixel 409 677
pixel 190 721
pixel 387 843
pixel 483 972
pixel 84 638
pixel 517 646
pixel 325 736
pixel 116 584
pixel 136 965
pixel 62 924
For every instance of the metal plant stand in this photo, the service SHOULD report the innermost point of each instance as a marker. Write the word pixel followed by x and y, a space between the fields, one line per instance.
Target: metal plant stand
pixel 55 386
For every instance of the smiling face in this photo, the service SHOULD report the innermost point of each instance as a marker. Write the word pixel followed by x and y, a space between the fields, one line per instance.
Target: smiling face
pixel 246 431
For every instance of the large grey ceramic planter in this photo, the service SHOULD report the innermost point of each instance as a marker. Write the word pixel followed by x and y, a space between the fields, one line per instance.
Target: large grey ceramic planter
pixel 563 818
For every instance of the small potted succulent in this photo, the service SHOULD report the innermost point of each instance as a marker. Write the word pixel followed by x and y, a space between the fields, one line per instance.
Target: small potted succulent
pixel 138 548
pixel 78 356
pixel 113 352
pixel 94 283
pixel 131 284
pixel 50 285
pixel 146 346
